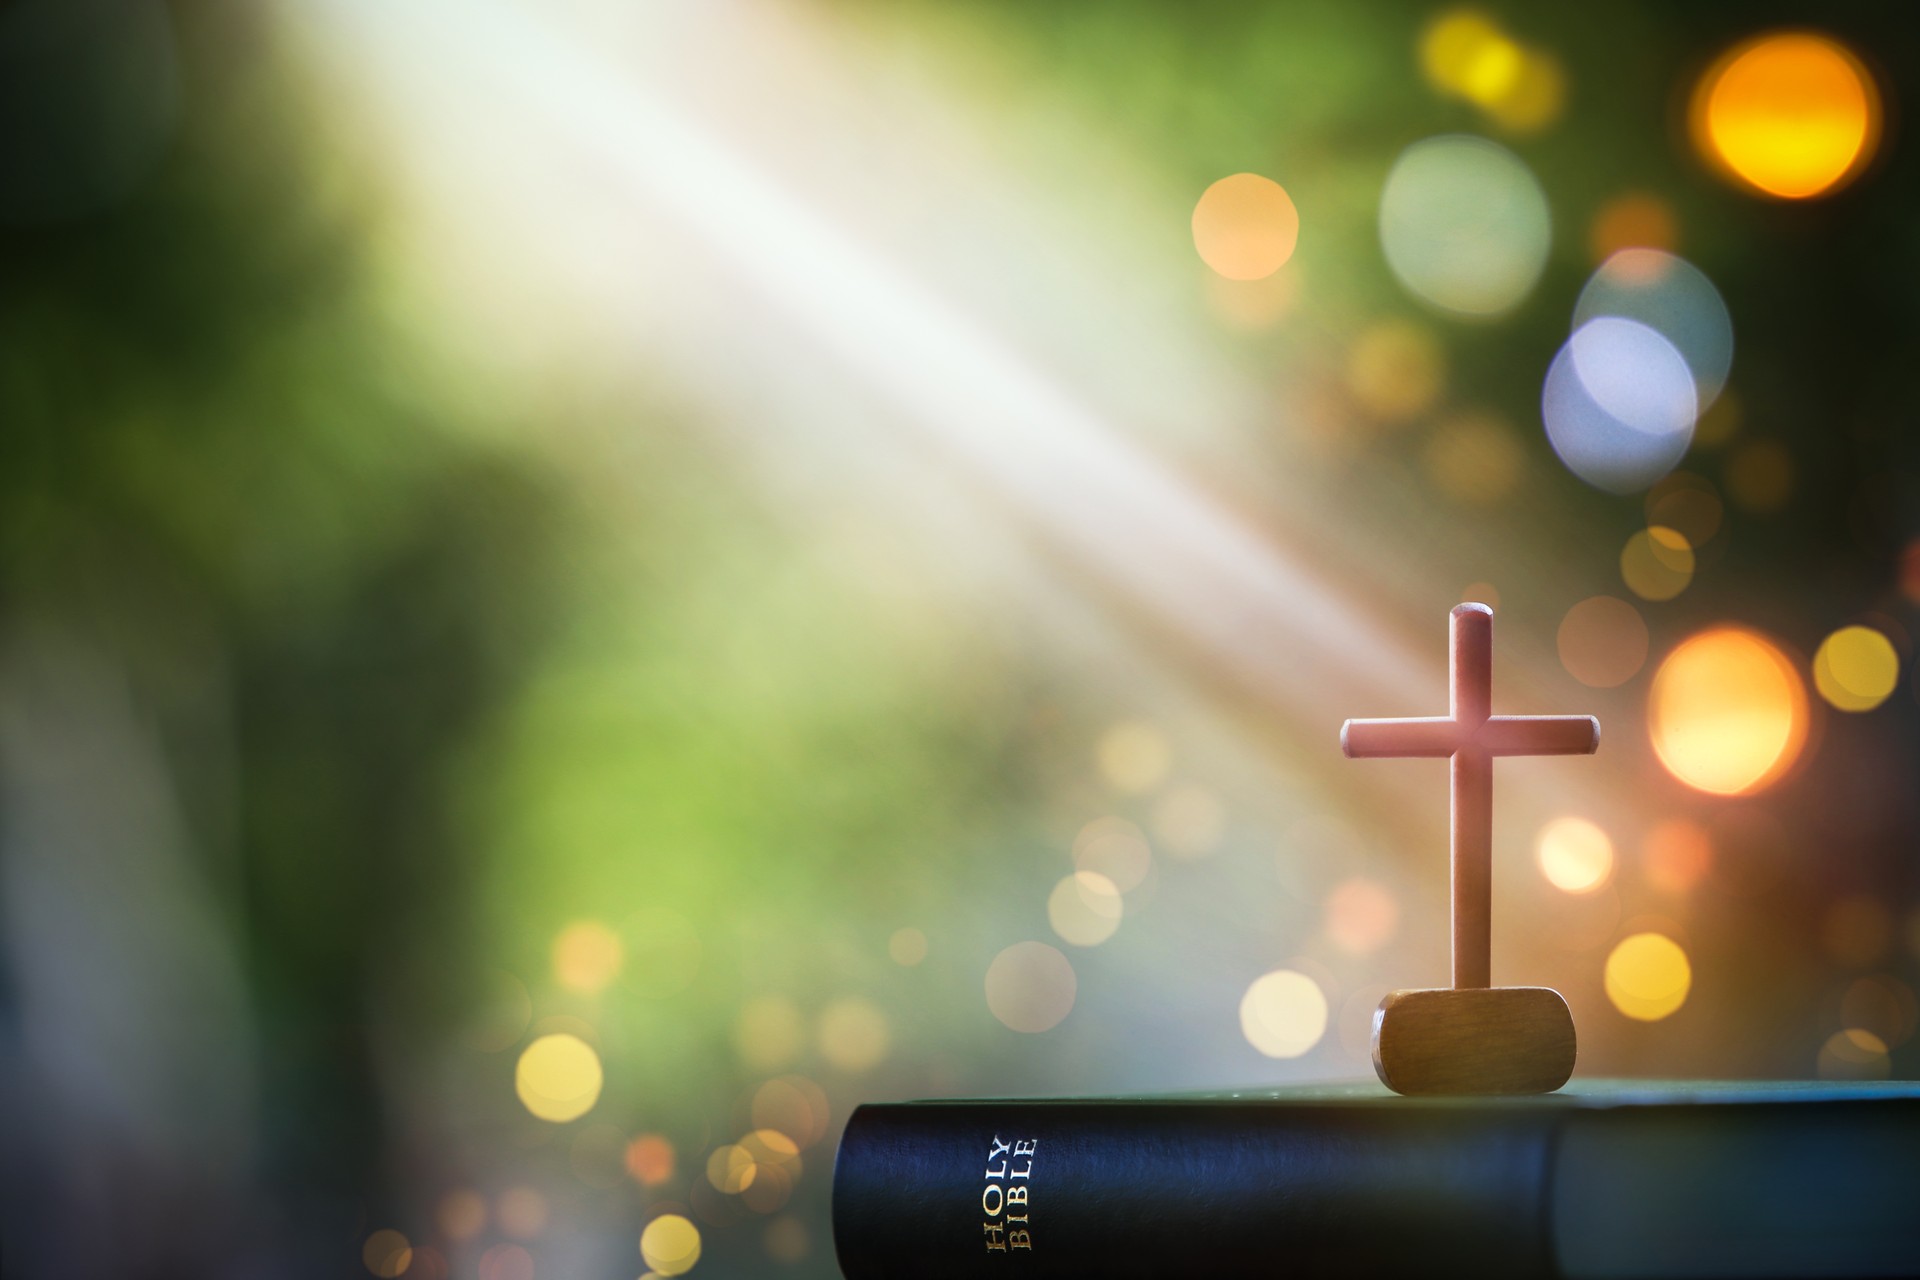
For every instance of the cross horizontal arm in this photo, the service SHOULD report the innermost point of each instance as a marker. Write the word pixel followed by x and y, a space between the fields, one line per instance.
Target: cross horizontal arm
pixel 1418 736
pixel 1540 735
pixel 1434 736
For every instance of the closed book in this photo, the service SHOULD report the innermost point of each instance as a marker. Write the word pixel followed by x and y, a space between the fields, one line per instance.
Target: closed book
pixel 1605 1178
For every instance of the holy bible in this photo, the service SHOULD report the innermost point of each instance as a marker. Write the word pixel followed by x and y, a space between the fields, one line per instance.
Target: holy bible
pixel 1606 1178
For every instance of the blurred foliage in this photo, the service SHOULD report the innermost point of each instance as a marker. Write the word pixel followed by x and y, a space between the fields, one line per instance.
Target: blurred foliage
pixel 218 479
pixel 435 659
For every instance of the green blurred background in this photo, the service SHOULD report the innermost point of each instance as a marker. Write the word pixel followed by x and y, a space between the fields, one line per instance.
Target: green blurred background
pixel 578 581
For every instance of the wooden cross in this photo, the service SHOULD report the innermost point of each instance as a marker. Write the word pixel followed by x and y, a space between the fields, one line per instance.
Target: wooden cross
pixel 1456 1039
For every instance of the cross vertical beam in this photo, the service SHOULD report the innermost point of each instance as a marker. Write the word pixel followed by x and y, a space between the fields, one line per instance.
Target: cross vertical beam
pixel 1471 735
pixel 1470 663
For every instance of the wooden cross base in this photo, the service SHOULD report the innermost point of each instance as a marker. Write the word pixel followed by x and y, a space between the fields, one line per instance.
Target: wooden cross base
pixel 1473 1040
pixel 1473 1037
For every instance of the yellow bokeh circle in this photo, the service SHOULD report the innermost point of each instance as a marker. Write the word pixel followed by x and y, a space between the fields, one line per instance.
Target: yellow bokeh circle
pixel 1465 55
pixel 1657 563
pixel 1856 668
pixel 1791 114
pixel 1084 908
pixel 558 1078
pixel 1648 976
pixel 1574 855
pixel 1727 712
pixel 586 956
pixel 731 1168
pixel 670 1244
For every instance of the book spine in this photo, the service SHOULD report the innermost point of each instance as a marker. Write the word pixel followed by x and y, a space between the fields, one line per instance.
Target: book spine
pixel 1047 1191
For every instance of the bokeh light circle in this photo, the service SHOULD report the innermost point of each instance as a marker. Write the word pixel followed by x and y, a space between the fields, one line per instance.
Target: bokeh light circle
pixel 1648 976
pixel 1283 1014
pixel 1856 668
pixel 730 1169
pixel 650 1160
pixel 776 1167
pixel 1618 404
pixel 586 956
pixel 1030 987
pixel 1464 224
pixel 387 1253
pixel 670 1244
pixel 558 1078
pixel 1537 97
pixel 1675 299
pixel 1465 55
pixel 769 1147
pixel 1574 855
pixel 461 1215
pixel 1602 642
pixel 1790 114
pixel 1134 757
pixel 1627 368
pixel 1727 712
pixel 1854 1054
pixel 1084 908
pixel 1657 563
pixel 1245 226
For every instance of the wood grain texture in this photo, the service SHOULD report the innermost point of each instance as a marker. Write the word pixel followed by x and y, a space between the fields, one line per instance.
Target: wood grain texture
pixel 1482 1040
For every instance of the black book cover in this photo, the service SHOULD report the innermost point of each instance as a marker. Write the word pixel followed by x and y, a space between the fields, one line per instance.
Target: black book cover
pixel 1603 1179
